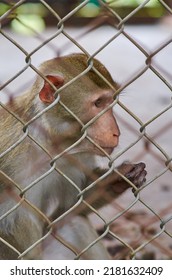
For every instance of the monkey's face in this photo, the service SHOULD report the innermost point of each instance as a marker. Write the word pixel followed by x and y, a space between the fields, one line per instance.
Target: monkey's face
pixel 100 124
pixel 96 133
pixel 84 111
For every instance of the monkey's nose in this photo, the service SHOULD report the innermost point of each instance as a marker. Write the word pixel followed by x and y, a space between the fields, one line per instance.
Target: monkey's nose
pixel 117 133
pixel 115 140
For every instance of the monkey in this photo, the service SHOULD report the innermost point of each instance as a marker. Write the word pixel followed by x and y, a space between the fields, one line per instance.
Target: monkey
pixel 50 139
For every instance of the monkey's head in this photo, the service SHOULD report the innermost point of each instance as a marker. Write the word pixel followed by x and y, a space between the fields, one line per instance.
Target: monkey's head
pixel 86 95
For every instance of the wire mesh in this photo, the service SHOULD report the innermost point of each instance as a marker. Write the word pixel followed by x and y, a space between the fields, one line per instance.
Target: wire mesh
pixel 138 223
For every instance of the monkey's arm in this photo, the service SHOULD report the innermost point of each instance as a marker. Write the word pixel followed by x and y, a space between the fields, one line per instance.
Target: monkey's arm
pixel 113 185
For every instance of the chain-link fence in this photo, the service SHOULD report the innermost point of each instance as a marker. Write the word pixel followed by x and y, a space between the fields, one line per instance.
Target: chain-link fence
pixel 137 224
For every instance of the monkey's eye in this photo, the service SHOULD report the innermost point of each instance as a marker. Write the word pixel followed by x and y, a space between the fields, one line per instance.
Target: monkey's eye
pixel 98 102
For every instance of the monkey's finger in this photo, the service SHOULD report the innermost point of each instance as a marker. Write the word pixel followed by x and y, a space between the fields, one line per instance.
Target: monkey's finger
pixel 135 172
pixel 140 179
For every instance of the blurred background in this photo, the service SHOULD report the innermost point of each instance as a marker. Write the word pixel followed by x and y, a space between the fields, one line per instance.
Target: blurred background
pixel 150 12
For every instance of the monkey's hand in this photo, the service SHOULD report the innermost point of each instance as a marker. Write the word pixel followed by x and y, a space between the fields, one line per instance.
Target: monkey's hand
pixel 114 184
pixel 135 173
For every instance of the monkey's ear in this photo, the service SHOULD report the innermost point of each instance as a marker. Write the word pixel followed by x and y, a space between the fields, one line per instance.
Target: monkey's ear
pixel 46 94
